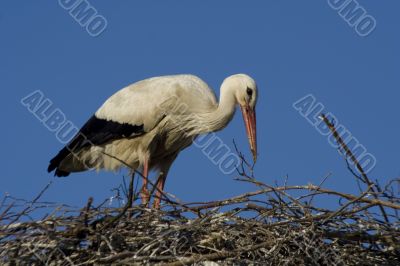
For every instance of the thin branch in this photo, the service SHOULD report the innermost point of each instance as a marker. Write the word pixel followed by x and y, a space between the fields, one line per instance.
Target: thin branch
pixel 350 155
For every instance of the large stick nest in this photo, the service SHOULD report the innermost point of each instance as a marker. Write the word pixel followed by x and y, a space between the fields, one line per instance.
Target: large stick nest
pixel 274 225
pixel 267 226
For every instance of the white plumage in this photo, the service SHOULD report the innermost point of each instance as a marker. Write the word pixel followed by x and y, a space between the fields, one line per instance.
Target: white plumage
pixel 146 125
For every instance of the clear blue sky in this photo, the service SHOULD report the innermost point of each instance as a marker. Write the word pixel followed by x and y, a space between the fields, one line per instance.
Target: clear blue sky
pixel 292 48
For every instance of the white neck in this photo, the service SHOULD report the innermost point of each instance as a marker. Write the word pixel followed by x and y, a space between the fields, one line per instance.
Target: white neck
pixel 218 118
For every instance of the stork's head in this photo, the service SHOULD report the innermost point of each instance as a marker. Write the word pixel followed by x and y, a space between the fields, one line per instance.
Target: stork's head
pixel 245 91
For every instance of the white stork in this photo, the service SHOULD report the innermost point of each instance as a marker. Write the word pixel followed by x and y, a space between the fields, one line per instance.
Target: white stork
pixel 145 126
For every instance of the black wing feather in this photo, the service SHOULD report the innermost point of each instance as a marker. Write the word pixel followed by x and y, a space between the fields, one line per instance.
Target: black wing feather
pixel 95 132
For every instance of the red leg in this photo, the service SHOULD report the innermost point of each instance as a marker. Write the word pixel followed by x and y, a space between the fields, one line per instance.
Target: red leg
pixel 160 189
pixel 161 180
pixel 144 193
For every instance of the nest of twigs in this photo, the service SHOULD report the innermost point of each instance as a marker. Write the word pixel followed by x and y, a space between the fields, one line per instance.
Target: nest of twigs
pixel 269 226
pixel 278 230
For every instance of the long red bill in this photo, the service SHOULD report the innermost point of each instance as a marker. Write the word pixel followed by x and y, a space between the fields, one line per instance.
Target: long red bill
pixel 249 117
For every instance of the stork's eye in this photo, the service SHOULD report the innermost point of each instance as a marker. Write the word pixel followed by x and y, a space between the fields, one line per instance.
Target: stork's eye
pixel 249 91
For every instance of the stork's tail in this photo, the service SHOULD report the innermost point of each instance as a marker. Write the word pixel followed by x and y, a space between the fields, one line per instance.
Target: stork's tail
pixel 56 161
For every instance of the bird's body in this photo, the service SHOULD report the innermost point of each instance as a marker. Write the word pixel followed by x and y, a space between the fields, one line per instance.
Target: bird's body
pixel 147 124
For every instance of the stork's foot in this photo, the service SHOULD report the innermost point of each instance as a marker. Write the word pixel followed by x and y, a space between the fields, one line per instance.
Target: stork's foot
pixel 157 203
pixel 145 196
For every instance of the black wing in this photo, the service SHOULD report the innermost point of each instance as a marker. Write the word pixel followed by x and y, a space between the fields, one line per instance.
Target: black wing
pixel 95 132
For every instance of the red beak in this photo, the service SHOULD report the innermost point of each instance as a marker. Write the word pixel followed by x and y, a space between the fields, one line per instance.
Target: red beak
pixel 249 117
